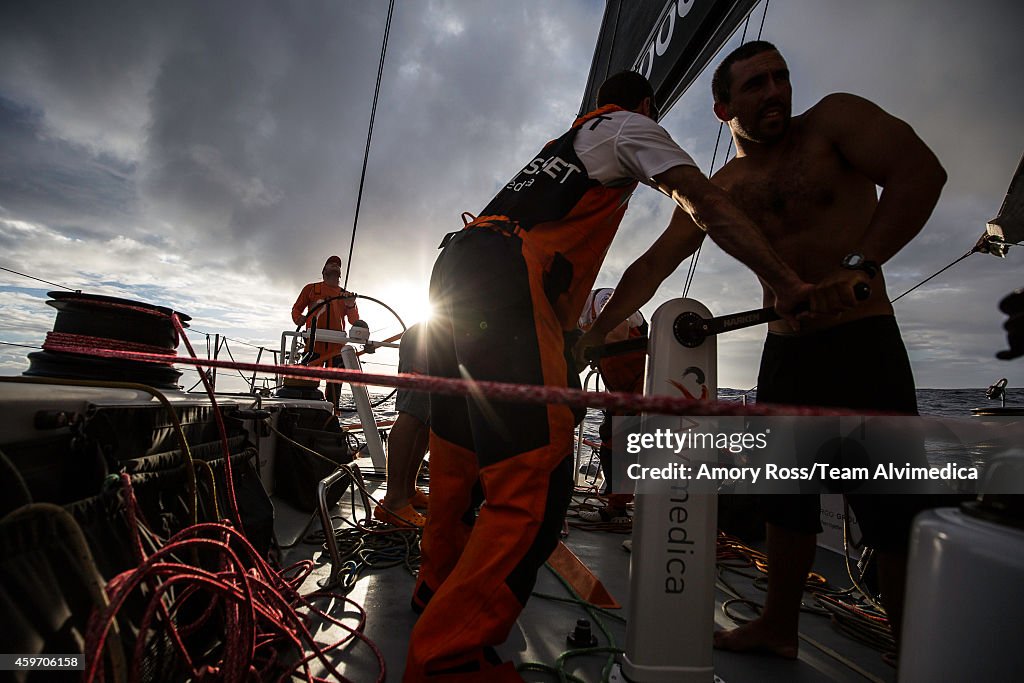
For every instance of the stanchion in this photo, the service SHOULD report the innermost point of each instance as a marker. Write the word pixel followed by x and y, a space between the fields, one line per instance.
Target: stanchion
pixel 362 400
pixel 672 572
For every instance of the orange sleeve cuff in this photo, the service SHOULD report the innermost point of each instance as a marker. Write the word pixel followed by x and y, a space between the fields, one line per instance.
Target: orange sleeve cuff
pixel 299 306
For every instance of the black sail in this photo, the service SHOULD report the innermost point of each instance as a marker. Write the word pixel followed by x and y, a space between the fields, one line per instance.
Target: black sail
pixel 668 42
pixel 1008 225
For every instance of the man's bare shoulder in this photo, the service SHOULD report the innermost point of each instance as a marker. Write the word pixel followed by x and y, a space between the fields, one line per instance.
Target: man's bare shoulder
pixel 838 103
pixel 838 111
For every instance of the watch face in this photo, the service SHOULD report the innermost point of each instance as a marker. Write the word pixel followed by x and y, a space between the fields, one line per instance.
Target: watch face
pixel 854 260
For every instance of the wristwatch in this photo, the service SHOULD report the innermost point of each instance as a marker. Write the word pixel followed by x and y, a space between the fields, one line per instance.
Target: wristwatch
pixel 856 261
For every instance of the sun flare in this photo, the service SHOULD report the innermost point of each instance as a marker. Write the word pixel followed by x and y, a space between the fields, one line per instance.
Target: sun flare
pixel 410 301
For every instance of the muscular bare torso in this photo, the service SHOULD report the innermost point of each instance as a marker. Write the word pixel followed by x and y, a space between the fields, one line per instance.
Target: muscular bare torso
pixel 812 205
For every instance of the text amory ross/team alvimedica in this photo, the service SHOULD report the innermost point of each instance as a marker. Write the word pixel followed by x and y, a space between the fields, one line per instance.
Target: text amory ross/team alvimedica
pixel 819 471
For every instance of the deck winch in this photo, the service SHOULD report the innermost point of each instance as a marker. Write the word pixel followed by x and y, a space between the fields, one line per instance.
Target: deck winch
pixel 94 321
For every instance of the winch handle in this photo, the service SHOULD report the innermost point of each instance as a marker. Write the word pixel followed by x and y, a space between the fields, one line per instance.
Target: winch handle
pixel 861 292
pixel 691 331
pixel 695 329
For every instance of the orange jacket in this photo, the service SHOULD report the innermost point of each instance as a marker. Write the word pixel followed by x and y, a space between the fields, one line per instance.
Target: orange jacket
pixel 330 316
pixel 569 218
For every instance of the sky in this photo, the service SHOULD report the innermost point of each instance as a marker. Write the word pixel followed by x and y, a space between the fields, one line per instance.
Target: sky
pixel 207 156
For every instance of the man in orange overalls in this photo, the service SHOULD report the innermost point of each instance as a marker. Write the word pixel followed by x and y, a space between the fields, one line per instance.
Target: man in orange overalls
pixel 504 292
pixel 329 316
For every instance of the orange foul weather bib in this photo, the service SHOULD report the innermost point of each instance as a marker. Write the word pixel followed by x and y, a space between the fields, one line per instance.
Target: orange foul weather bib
pixel 504 291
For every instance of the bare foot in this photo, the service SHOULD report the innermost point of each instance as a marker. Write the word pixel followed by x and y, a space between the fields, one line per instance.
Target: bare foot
pixel 757 638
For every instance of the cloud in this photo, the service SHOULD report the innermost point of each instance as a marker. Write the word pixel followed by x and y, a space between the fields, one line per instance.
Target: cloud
pixel 208 155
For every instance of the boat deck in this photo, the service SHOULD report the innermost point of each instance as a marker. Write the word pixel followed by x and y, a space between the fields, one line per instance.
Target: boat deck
pixel 539 636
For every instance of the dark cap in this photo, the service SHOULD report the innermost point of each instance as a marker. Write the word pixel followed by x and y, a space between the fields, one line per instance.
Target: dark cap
pixel 626 89
pixel 333 259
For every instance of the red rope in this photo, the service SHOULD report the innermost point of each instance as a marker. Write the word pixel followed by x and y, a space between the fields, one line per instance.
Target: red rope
pixel 57 341
pixel 497 391
pixel 63 342
pixel 221 429
pixel 259 609
pixel 113 304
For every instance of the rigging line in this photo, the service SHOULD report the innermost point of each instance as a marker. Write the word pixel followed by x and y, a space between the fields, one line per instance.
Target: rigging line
pixel 714 157
pixel 721 124
pixel 696 255
pixel 32 277
pixel 369 135
pixel 763 16
pixel 24 346
pixel 231 356
pixel 892 301
pixel 693 270
pixel 237 341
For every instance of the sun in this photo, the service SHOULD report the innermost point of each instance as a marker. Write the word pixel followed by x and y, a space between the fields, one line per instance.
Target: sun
pixel 410 300
pixel 424 312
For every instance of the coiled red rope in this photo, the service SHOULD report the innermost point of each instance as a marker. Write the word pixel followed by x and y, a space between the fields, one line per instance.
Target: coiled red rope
pixel 265 620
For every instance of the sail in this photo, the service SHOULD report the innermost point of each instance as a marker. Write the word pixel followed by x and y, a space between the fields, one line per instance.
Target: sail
pixel 668 42
pixel 1008 226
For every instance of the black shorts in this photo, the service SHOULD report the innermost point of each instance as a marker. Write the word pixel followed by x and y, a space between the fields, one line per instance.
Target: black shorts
pixel 411 360
pixel 415 403
pixel 861 365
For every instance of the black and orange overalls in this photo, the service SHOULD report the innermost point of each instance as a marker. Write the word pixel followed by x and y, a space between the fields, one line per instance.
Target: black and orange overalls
pixel 504 292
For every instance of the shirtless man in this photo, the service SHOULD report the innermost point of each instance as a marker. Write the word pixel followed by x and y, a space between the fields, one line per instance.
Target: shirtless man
pixel 809 182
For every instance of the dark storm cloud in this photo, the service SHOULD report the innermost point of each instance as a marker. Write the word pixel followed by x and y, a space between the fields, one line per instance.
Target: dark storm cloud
pixel 237 115
pixel 55 181
pixel 250 141
pixel 473 90
pixel 253 115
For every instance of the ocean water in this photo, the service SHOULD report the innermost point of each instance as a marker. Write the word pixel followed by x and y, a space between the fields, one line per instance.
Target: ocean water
pixel 931 402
